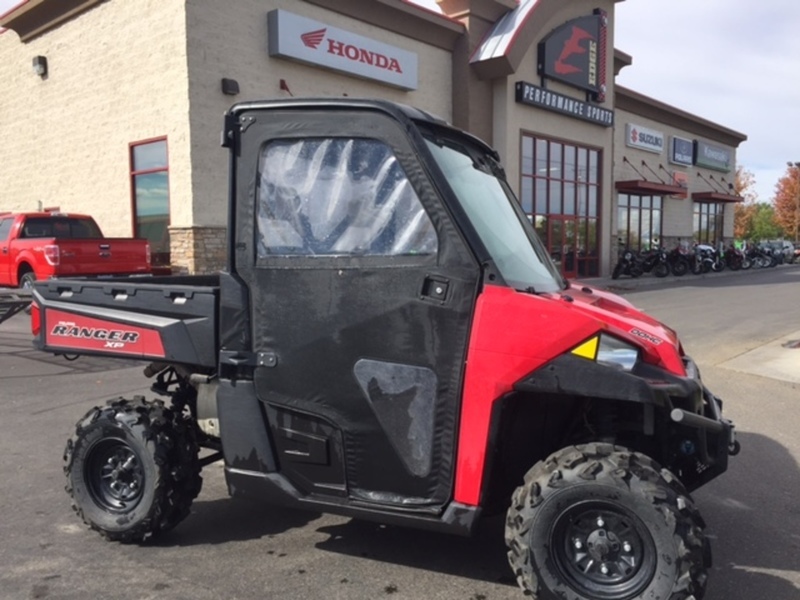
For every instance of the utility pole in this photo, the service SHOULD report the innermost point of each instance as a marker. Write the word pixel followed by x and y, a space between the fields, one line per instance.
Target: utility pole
pixel 796 167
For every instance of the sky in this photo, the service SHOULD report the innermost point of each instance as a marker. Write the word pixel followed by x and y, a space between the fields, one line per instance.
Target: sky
pixel 733 62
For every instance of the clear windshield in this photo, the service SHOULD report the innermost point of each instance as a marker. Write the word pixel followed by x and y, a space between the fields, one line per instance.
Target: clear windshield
pixel 508 236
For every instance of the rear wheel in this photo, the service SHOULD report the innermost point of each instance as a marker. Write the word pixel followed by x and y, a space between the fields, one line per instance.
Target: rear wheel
pixel 132 469
pixel 679 267
pixel 617 271
pixel 26 280
pixel 661 270
pixel 598 522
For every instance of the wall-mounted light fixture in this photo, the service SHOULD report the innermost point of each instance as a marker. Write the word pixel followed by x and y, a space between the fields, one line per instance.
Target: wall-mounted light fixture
pixel 40 66
pixel 230 87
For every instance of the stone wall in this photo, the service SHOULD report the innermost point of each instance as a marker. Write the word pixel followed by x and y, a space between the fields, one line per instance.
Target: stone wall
pixel 197 250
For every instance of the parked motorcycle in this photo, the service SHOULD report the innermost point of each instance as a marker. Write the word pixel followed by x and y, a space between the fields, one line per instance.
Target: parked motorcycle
pixel 706 259
pixel 627 265
pixel 678 261
pixel 655 261
pixel 736 259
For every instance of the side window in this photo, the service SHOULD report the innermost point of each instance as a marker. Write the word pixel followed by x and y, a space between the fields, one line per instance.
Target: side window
pixel 338 197
pixel 5 228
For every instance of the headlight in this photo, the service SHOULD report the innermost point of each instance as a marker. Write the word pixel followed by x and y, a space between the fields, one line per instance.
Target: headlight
pixel 610 351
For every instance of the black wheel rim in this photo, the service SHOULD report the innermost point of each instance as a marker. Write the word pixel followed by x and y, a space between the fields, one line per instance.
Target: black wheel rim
pixel 114 475
pixel 603 550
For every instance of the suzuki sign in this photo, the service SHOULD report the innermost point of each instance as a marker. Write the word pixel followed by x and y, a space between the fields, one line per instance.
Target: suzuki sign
pixel 643 138
pixel 316 43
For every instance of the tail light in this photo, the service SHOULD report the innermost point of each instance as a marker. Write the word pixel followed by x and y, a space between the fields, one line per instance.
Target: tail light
pixel 36 320
pixel 52 254
pixel 147 253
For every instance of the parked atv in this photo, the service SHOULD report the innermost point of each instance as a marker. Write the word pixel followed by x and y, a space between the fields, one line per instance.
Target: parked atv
pixel 391 341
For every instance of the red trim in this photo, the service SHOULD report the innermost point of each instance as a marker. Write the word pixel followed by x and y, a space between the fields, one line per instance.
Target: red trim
pixel 70 331
pixel 512 334
pixel 647 188
pixel 515 333
pixel 715 197
pixel 13 9
pixel 601 70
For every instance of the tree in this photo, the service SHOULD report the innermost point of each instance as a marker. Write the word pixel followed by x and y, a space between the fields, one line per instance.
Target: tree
pixel 764 224
pixel 787 201
pixel 744 213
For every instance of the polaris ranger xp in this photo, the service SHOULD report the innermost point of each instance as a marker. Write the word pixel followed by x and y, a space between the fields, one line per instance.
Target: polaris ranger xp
pixel 390 341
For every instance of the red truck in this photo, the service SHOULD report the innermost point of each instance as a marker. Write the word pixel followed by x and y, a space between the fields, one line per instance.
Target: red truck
pixel 41 245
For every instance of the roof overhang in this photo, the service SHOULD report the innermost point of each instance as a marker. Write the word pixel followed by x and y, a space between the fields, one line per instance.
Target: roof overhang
pixel 644 187
pixel 33 17
pixel 715 197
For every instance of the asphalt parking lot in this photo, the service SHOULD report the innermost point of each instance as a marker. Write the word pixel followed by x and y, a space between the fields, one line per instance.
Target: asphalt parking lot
pixel 736 327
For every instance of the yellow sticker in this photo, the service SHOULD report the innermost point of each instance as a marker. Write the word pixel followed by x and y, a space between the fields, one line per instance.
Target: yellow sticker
pixel 588 349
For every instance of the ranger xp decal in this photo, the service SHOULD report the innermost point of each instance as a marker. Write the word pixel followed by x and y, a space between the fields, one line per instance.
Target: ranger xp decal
pixel 85 333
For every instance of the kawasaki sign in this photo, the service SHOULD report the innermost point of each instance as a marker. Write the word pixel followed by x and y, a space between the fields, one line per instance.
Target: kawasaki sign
pixel 712 157
pixel 312 42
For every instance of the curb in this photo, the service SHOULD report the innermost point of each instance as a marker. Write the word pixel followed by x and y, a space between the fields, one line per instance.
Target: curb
pixel 625 284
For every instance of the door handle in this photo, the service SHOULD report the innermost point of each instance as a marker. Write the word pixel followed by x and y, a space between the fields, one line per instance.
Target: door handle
pixel 435 288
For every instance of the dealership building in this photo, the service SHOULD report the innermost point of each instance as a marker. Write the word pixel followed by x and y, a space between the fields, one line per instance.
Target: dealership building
pixel 114 109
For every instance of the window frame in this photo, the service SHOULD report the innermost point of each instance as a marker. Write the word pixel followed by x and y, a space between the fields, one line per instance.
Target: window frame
pixel 133 173
pixel 586 166
pixel 714 213
pixel 640 208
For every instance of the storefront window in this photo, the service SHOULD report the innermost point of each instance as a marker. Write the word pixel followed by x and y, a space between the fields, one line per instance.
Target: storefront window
pixel 150 189
pixel 708 222
pixel 560 192
pixel 639 221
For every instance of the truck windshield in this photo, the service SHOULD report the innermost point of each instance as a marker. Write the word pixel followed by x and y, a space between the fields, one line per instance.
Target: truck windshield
pixel 489 203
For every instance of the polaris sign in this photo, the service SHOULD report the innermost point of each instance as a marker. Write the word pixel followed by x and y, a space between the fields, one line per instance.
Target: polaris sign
pixel 312 42
pixel 644 138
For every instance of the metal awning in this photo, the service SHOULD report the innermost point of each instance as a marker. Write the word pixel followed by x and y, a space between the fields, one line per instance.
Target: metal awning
pixel 644 187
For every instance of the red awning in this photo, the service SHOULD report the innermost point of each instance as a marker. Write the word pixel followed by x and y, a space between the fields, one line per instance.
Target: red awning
pixel 715 197
pixel 645 187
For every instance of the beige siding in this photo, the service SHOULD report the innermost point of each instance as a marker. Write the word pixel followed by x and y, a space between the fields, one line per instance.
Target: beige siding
pixel 678 213
pixel 229 39
pixel 117 74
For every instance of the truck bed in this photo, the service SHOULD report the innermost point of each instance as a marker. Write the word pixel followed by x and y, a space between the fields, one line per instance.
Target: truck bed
pixel 163 319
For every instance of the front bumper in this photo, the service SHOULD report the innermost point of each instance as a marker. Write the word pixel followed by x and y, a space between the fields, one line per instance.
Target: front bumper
pixel 682 419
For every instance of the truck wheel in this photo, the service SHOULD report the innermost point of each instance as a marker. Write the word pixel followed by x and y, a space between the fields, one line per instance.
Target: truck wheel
pixel 600 522
pixel 132 469
pixel 26 281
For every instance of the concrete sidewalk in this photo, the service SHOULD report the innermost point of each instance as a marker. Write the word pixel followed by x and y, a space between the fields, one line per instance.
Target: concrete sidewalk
pixel 625 283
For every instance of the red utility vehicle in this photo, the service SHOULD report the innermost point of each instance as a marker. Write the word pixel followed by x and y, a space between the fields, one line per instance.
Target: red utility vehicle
pixel 41 245
pixel 391 341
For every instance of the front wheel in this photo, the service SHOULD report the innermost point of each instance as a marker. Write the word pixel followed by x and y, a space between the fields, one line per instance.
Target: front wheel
pixel 617 271
pixel 680 267
pixel 132 469
pixel 661 270
pixel 600 522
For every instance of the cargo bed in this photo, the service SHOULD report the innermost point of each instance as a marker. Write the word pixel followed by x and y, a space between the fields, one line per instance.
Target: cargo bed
pixel 171 319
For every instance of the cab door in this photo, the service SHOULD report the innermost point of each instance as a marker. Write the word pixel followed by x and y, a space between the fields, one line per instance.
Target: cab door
pixel 362 293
